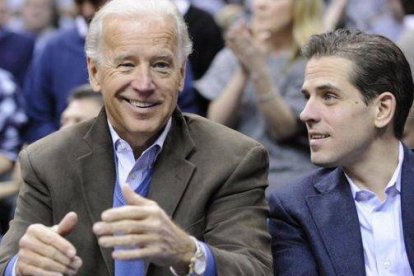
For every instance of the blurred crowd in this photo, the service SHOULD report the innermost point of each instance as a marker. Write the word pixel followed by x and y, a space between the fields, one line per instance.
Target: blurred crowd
pixel 245 71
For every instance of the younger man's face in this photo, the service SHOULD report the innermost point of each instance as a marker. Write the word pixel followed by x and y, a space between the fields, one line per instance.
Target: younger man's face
pixel 340 124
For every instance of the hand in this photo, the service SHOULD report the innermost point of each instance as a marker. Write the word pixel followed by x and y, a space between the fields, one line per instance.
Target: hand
pixel 240 40
pixel 142 230
pixel 44 251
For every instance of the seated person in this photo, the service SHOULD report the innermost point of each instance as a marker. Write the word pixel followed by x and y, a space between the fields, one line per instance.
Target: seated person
pixel 83 104
pixel 353 216
pixel 12 120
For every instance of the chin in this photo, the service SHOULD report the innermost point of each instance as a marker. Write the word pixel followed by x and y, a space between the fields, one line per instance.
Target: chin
pixel 324 162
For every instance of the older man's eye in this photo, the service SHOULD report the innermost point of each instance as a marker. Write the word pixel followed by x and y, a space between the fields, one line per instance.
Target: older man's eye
pixel 162 66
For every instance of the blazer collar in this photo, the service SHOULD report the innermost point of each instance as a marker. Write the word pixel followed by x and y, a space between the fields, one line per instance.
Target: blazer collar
pixel 335 215
pixel 407 201
pixel 97 170
pixel 172 170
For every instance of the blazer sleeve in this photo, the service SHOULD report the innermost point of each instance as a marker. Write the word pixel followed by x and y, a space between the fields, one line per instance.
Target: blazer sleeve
pixel 33 195
pixel 291 250
pixel 236 230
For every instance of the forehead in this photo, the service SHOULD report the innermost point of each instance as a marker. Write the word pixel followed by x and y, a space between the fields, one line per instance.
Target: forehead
pixel 322 71
pixel 147 31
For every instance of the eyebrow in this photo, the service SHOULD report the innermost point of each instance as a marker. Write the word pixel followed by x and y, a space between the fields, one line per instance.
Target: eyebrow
pixel 321 88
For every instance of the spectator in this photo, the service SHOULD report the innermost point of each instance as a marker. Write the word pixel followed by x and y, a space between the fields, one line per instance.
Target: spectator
pixel 39 18
pixel 254 84
pixel 12 119
pixel 406 41
pixel 372 16
pixel 84 104
pixel 201 179
pixel 207 41
pixel 354 216
pixel 58 68
pixel 15 49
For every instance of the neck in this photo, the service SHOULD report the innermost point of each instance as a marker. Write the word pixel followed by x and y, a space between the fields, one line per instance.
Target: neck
pixel 375 167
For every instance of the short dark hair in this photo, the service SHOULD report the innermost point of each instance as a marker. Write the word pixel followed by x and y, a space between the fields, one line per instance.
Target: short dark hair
pixel 85 92
pixel 379 66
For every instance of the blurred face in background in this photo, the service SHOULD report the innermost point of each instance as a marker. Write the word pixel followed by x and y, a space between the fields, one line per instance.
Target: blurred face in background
pixel 272 15
pixel 79 110
pixel 38 15
pixel 87 8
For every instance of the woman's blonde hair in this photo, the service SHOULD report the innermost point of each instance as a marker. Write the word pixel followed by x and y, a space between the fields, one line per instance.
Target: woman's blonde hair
pixel 307 20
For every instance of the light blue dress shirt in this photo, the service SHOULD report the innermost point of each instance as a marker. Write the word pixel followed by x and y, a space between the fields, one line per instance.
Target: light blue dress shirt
pixel 381 227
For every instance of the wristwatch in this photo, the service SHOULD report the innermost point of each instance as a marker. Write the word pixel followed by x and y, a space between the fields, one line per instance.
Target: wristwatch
pixel 198 262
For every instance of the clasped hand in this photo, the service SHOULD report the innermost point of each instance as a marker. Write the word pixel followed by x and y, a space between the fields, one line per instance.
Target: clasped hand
pixel 139 230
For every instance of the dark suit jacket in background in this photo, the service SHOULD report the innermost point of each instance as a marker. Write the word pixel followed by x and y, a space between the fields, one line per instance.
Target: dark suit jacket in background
pixel 208 178
pixel 315 227
pixel 16 50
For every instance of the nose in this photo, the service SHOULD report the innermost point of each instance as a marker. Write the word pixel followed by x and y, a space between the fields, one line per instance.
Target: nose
pixel 143 81
pixel 310 112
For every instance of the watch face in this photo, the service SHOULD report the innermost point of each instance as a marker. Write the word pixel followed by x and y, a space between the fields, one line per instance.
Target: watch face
pixel 200 265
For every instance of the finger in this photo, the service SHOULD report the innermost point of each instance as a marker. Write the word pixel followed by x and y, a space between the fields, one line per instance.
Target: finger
pixel 129 212
pixel 33 244
pixel 128 241
pixel 67 224
pixel 76 264
pixel 124 227
pixel 28 269
pixel 49 237
pixel 33 259
pixel 133 198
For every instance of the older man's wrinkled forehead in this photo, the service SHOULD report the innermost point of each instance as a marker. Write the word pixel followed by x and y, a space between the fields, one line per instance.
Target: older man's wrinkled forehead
pixel 166 35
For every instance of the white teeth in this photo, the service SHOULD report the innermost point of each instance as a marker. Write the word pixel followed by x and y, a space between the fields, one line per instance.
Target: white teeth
pixel 140 104
pixel 319 136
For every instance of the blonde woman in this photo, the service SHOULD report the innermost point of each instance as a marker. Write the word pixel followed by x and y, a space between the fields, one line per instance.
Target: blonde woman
pixel 254 84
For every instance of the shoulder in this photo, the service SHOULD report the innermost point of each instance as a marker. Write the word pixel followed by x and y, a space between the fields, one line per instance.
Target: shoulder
pixel 210 136
pixel 63 36
pixel 296 192
pixel 63 144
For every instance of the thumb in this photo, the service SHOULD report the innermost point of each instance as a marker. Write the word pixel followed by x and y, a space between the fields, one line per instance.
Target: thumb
pixel 131 197
pixel 67 224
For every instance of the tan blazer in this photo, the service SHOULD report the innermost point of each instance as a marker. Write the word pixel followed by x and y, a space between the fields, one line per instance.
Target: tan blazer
pixel 208 178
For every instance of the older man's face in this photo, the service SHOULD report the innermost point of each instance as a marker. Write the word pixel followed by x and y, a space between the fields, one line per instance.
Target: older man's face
pixel 140 76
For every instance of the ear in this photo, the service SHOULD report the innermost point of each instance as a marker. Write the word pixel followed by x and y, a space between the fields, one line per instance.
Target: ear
pixel 93 72
pixel 183 70
pixel 385 109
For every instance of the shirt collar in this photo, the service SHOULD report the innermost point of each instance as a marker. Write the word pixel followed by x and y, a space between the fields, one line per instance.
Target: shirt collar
pixel 409 22
pixel 81 26
pixel 395 181
pixel 182 6
pixel 159 142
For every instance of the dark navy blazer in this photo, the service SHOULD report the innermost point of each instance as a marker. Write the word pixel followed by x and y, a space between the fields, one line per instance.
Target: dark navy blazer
pixel 315 227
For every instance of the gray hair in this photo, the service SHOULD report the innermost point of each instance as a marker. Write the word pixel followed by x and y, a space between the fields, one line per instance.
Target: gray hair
pixel 136 8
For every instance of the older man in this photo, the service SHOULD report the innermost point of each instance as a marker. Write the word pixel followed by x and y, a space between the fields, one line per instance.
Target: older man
pixel 142 189
pixel 354 217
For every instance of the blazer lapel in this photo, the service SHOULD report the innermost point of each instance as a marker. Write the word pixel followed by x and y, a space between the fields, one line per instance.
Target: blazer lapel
pixel 172 171
pixel 407 201
pixel 336 218
pixel 96 159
